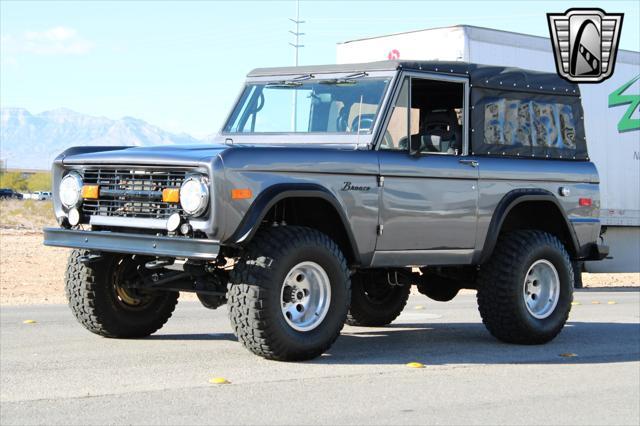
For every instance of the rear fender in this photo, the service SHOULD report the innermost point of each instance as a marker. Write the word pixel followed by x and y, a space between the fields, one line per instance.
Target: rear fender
pixel 513 199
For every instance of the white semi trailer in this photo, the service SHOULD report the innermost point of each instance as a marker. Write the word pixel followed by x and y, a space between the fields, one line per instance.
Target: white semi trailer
pixel 613 140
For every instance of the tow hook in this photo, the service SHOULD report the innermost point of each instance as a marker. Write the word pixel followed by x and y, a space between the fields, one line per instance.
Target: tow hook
pixel 90 258
pixel 159 263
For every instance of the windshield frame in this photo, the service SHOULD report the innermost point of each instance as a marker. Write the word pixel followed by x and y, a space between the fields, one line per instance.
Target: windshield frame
pixel 321 137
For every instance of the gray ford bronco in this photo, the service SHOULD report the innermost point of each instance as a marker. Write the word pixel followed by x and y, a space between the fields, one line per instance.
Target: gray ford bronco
pixel 329 192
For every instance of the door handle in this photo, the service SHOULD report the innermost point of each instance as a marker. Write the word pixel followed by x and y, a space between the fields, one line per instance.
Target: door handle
pixel 472 163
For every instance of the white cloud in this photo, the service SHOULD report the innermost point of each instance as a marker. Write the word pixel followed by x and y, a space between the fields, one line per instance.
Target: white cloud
pixel 54 41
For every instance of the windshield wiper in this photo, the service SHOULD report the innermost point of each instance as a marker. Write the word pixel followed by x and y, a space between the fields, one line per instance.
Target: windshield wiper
pixel 348 79
pixel 285 83
pixel 304 77
pixel 296 82
pixel 357 75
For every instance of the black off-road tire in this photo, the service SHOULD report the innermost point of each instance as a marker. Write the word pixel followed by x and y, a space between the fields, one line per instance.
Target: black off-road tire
pixel 501 287
pixel 375 307
pixel 254 293
pixel 94 303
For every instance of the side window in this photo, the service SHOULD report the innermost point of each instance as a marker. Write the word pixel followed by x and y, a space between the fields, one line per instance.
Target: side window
pixel 395 136
pixel 522 123
pixel 439 115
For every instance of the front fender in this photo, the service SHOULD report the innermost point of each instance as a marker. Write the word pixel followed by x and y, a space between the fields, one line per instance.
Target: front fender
pixel 277 192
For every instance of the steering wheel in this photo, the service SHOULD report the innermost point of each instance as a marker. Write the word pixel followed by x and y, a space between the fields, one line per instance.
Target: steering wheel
pixel 361 123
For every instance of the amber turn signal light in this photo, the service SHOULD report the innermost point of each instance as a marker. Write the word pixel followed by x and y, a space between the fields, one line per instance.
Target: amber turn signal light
pixel 90 192
pixel 241 194
pixel 171 195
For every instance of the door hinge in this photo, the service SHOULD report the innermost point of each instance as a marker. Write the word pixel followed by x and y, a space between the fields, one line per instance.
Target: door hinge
pixel 380 229
pixel 380 181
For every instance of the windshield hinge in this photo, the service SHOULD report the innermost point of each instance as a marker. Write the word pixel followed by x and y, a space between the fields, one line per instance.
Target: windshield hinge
pixel 380 181
pixel 380 229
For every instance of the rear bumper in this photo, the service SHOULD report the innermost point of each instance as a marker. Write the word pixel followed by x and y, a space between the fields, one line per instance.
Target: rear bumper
pixel 117 242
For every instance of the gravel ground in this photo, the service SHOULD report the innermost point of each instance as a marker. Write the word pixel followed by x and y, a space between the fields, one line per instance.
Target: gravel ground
pixel 31 273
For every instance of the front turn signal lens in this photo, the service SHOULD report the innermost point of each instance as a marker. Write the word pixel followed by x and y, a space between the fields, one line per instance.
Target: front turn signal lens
pixel 90 192
pixel 171 195
pixel 241 194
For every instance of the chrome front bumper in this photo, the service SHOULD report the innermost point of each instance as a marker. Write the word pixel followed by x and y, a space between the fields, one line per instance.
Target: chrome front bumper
pixel 118 242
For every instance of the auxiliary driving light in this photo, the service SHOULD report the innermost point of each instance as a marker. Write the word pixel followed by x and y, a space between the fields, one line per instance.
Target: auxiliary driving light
pixel 173 222
pixel 74 217
pixel 185 228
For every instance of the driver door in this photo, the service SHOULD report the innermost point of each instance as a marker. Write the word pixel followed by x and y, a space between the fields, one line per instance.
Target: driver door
pixel 429 196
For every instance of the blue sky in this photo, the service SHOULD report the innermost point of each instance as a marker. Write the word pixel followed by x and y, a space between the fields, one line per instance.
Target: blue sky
pixel 180 64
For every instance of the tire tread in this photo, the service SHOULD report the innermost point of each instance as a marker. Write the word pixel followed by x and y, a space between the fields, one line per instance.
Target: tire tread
pixel 82 284
pixel 247 292
pixel 496 289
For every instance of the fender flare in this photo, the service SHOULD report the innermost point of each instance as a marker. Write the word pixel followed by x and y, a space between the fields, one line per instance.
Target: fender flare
pixel 511 200
pixel 278 192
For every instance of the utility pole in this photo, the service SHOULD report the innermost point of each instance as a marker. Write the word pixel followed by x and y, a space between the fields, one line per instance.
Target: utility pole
pixel 296 46
pixel 297 32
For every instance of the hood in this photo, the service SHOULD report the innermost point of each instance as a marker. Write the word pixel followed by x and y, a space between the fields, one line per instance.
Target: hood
pixel 176 155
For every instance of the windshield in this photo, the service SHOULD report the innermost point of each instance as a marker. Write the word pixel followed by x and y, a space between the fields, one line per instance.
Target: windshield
pixel 305 105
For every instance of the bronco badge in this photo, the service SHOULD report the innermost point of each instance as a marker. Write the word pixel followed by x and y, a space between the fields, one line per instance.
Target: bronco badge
pixel 348 186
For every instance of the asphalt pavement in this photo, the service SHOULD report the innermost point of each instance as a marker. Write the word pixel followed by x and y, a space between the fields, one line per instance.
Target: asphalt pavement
pixel 53 371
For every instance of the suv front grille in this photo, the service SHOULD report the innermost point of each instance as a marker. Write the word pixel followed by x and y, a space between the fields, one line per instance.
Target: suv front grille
pixel 132 192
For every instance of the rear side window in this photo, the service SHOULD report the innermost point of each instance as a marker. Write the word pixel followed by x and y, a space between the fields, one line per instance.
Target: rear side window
pixel 516 122
pixel 518 125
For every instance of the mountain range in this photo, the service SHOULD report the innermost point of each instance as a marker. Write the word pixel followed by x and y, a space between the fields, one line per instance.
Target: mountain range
pixel 32 141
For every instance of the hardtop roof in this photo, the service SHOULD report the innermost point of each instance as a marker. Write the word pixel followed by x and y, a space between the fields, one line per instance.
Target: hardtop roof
pixel 480 75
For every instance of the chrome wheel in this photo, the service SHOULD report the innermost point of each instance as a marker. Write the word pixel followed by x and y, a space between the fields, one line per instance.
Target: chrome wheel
pixel 541 289
pixel 305 296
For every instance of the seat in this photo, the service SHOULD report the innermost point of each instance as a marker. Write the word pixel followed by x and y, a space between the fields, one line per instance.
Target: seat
pixel 440 132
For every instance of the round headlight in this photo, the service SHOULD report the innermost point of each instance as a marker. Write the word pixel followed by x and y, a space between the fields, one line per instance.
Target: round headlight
pixel 70 190
pixel 194 195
